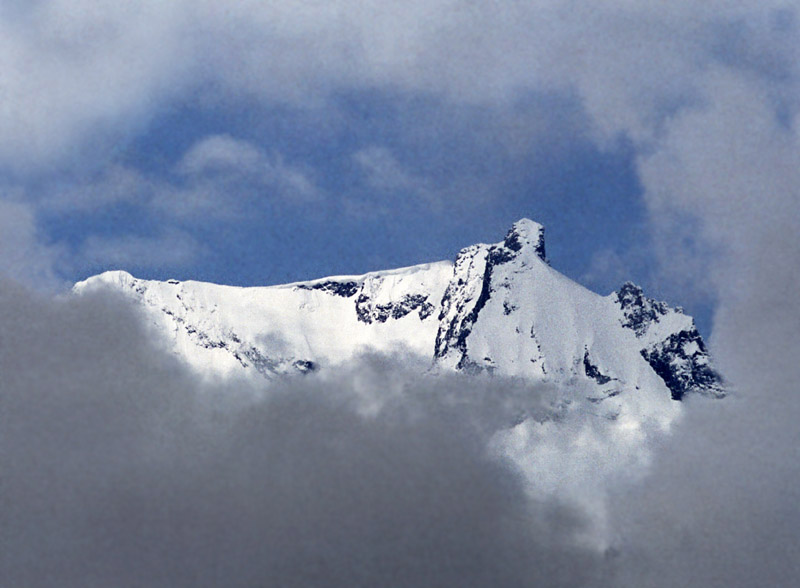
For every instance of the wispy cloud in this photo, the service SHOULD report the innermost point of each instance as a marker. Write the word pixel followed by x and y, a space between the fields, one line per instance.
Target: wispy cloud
pixel 112 184
pixel 219 174
pixel 218 181
pixel 173 249
pixel 387 179
pixel 216 178
pixel 23 255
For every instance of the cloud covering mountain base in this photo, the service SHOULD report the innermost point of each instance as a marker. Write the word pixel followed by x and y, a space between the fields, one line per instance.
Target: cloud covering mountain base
pixel 120 468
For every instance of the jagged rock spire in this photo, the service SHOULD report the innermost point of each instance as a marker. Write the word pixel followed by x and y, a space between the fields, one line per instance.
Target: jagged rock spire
pixel 526 232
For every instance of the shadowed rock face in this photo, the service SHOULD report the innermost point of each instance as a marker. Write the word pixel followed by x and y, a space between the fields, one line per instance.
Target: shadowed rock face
pixel 683 363
pixel 368 311
pixel 680 359
pixel 344 289
pixel 524 235
pixel 498 308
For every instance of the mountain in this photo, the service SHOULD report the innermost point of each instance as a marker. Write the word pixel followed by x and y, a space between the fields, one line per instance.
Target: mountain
pixel 498 309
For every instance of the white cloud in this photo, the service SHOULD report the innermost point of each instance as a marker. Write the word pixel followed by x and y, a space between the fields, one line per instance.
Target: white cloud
pixel 78 76
pixel 733 168
pixel 77 71
pixel 221 154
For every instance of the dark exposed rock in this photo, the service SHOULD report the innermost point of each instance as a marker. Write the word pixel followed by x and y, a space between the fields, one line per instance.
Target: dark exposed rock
pixel 305 366
pixel 343 289
pixel 681 360
pixel 203 340
pixel 268 366
pixel 457 332
pixel 514 240
pixel 598 400
pixel 592 371
pixel 455 336
pixel 640 312
pixel 508 308
pixel 367 312
pixel 683 363
pixel 263 364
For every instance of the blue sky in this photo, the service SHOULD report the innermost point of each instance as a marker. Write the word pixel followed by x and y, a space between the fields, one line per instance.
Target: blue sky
pixel 384 195
pixel 254 144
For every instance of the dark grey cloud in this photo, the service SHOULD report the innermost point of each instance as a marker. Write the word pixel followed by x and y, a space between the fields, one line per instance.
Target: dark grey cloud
pixel 119 468
pixel 721 505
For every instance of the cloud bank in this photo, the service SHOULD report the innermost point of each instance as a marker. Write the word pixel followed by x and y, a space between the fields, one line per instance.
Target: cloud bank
pixel 632 64
pixel 720 506
pixel 120 468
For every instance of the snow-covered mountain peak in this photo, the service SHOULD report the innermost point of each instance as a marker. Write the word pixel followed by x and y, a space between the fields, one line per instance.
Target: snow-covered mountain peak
pixel 526 233
pixel 498 309
pixel 118 277
pixel 603 372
